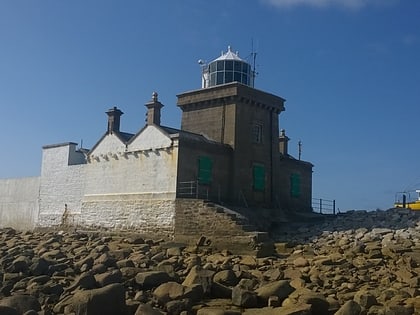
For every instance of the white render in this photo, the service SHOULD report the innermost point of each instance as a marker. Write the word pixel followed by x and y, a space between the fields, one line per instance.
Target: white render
pixel 19 204
pixel 117 185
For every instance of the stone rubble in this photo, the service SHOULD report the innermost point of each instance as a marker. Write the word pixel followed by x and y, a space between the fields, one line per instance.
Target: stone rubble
pixel 359 262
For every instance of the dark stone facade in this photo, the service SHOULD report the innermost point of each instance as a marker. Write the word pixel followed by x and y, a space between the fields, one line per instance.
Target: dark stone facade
pixel 247 166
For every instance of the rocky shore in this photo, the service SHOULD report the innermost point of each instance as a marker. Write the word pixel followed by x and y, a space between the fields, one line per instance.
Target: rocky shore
pixel 353 263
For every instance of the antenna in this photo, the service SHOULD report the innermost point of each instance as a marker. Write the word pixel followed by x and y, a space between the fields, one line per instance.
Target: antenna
pixel 254 57
pixel 300 149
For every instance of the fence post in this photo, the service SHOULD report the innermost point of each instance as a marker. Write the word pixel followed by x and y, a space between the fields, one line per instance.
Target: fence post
pixel 334 206
pixel 196 189
pixel 320 205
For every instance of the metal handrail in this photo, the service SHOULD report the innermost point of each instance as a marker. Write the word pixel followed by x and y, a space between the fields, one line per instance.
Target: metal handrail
pixel 324 206
pixel 192 189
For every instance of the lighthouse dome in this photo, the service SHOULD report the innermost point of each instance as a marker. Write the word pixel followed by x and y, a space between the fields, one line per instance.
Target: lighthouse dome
pixel 229 67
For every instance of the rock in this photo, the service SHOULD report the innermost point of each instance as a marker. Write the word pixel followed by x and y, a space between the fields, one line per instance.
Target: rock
pixel 216 311
pixel 20 264
pixel 113 276
pixel 301 262
pixel 107 300
pixel 365 299
pixel 146 309
pixel 226 277
pixel 349 308
pixel 174 251
pixel 169 291
pixel 177 307
pixel 7 310
pixel 152 279
pixel 219 290
pixel 21 303
pixel 85 281
pixel 318 301
pixel 280 288
pixel 244 298
pixel 199 276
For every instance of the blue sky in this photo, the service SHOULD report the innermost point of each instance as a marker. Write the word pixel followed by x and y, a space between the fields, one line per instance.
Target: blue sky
pixel 349 70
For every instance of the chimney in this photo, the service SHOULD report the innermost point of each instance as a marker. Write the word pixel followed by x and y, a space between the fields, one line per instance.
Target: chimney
pixel 153 110
pixel 283 142
pixel 114 115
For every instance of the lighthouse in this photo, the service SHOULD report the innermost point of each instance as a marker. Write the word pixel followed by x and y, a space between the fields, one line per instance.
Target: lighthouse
pixel 229 67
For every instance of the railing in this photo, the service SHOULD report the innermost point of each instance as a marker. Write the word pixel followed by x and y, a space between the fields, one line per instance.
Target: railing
pixel 192 189
pixel 323 206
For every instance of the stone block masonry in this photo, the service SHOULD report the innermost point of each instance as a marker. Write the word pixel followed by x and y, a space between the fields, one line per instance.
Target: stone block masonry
pixel 224 228
pixel 146 214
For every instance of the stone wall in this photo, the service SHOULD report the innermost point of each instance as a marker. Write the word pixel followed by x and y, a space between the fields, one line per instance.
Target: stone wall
pixel 286 201
pixel 151 214
pixel 224 228
pixel 221 176
pixel 19 202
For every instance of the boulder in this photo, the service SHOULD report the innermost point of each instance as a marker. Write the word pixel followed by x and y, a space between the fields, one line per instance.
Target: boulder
pixel 21 303
pixel 109 300
pixel 199 276
pixel 7 310
pixel 152 279
pixel 169 291
pixel 146 309
pixel 349 308
pixel 280 288
pixel 216 311
pixel 226 277
pixel 244 298
pixel 113 276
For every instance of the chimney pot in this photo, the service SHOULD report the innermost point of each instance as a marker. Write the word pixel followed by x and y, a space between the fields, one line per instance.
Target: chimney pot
pixel 153 110
pixel 283 142
pixel 114 115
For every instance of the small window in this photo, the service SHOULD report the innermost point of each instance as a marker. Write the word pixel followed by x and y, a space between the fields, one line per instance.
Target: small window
pixel 220 65
pixel 220 78
pixel 244 79
pixel 228 76
pixel 257 133
pixel 213 67
pixel 258 174
pixel 295 185
pixel 205 166
pixel 213 79
pixel 229 65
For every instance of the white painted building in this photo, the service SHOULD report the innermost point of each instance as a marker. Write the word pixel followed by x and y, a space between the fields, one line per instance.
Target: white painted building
pixel 228 150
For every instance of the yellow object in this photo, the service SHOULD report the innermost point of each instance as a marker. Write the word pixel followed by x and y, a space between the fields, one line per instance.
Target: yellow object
pixel 409 204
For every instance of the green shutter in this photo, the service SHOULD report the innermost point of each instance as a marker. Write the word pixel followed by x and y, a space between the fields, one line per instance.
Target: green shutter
pixel 205 166
pixel 295 185
pixel 259 177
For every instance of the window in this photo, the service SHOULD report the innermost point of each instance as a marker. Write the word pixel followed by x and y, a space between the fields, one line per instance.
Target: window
pixel 228 76
pixel 229 65
pixel 295 185
pixel 220 65
pixel 258 175
pixel 257 133
pixel 205 166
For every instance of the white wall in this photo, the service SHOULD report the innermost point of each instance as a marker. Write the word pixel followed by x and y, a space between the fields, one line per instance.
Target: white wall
pixel 133 187
pixel 146 213
pixel 152 169
pixel 61 184
pixel 19 202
